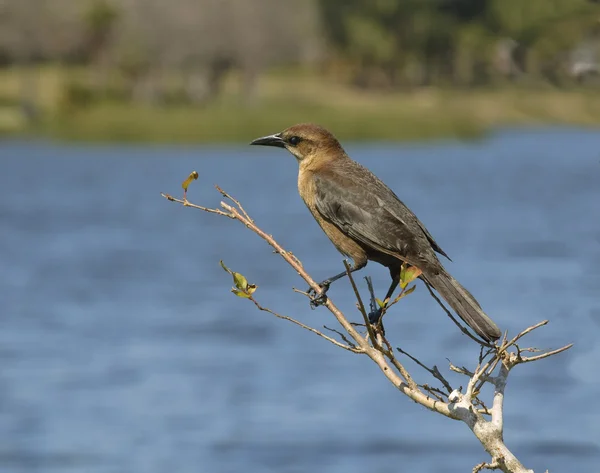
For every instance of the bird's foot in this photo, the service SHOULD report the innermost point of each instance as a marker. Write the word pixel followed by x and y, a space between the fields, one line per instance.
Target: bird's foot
pixel 375 316
pixel 318 298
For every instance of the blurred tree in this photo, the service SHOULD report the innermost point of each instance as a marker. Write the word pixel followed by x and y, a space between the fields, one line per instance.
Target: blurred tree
pixel 23 33
pixel 463 41
pixel 207 38
pixel 99 20
pixel 389 36
pixel 384 43
pixel 548 30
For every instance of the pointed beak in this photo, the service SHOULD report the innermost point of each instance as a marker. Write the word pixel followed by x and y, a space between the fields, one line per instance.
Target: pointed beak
pixel 271 140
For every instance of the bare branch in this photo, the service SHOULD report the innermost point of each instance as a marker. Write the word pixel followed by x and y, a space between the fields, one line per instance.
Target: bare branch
pixel 292 261
pixel 361 306
pixel 480 372
pixel 468 407
pixel 517 358
pixel 435 372
pixel 498 402
pixel 528 359
pixel 435 392
pixel 235 201
pixel 353 349
pixel 526 331
pixel 194 206
pixel 414 394
pixel 389 352
pixel 461 370
pixel 289 253
pixel 403 292
pixel 372 299
pixel 486 466
pixel 304 293
pixel 342 336
pixel 487 374
pixel 484 410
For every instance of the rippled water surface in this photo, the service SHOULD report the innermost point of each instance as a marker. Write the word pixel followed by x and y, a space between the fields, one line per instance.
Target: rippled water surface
pixel 121 349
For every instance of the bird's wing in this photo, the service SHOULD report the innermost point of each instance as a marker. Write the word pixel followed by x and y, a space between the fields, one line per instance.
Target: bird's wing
pixel 434 244
pixel 373 217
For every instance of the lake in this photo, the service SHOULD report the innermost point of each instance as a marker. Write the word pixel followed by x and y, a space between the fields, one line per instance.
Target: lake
pixel 122 350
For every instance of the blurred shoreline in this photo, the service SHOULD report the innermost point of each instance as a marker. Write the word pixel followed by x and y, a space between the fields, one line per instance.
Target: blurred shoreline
pixel 67 113
pixel 225 71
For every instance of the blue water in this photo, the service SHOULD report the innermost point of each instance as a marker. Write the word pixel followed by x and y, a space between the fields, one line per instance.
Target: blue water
pixel 121 349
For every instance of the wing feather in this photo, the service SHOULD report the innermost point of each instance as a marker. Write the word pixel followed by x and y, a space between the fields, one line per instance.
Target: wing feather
pixel 378 220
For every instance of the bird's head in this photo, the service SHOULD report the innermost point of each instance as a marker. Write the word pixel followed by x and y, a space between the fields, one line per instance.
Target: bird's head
pixel 307 142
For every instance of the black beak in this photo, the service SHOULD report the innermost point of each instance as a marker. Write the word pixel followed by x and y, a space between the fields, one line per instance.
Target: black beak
pixel 271 140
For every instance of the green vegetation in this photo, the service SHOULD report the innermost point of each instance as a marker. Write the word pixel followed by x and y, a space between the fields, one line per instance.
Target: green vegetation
pixel 288 98
pixel 396 43
pixel 205 71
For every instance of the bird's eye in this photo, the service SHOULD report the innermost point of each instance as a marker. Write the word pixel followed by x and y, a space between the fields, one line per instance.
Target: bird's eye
pixel 294 140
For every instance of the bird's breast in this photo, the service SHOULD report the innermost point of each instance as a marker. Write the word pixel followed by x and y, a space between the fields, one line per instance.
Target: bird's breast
pixel 306 189
pixel 344 244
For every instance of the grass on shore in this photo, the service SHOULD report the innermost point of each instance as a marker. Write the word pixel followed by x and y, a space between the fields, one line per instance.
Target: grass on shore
pixel 285 99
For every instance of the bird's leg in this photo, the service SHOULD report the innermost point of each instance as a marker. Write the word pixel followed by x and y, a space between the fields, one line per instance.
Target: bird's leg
pixel 317 299
pixel 375 316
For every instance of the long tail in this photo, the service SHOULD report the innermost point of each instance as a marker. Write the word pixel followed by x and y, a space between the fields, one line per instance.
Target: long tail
pixel 464 304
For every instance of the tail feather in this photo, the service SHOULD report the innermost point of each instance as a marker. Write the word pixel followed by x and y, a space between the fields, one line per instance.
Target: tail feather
pixel 465 305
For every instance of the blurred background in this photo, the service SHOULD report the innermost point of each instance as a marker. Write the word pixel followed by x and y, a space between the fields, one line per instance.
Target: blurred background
pixel 220 70
pixel 121 348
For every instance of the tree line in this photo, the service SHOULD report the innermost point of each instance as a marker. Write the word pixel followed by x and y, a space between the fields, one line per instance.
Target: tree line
pixel 374 44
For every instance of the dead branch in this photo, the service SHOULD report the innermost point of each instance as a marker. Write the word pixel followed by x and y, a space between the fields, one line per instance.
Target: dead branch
pixel 361 307
pixel 493 366
pixel 486 466
pixel 435 372
pixel 348 347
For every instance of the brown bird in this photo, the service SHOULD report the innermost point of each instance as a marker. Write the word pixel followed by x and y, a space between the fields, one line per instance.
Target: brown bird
pixel 365 220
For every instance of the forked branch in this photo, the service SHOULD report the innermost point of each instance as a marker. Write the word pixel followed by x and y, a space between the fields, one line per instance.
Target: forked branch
pixel 494 364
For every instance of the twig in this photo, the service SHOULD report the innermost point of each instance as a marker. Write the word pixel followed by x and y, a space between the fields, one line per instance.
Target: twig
pixel 389 353
pixel 299 269
pixel 397 299
pixel 460 370
pixel 293 256
pixel 526 331
pixel 462 407
pixel 235 201
pixel 342 336
pixel 528 359
pixel 353 349
pixel 399 366
pixel 486 466
pixel 435 392
pixel 299 291
pixel 372 299
pixel 361 306
pixel 194 206
pixel 516 358
pixel 433 371
pixel 449 314
pixel 292 261
pixel 470 374
pixel 487 374
pixel 483 410
pixel 480 372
